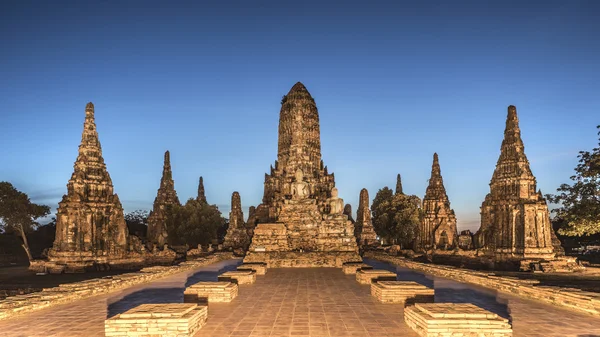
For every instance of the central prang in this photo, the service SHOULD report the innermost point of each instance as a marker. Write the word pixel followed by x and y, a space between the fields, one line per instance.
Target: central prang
pixel 300 222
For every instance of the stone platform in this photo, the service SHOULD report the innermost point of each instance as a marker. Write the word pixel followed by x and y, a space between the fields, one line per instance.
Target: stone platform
pixel 351 268
pixel 210 292
pixel 239 276
pixel 366 276
pixel 401 292
pixel 174 319
pixel 259 267
pixel 302 259
pixel 454 320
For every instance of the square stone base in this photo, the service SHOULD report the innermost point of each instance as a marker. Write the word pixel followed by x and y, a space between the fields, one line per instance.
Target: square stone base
pixel 350 268
pixel 259 267
pixel 239 276
pixel 401 292
pixel 366 276
pixel 302 259
pixel 210 292
pixel 454 320
pixel 174 319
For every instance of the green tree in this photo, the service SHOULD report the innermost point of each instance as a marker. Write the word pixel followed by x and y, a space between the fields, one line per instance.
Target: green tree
pixel 396 217
pixel 194 223
pixel 579 212
pixel 18 214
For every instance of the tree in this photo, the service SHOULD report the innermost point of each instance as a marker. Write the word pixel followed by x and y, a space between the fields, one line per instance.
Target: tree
pixel 137 222
pixel 194 223
pixel 18 213
pixel 396 217
pixel 579 213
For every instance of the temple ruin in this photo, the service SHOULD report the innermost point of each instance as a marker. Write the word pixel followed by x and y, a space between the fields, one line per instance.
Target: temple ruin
pixel 300 221
pixel 165 197
pixel 364 231
pixel 515 223
pixel 90 225
pixel 237 236
pixel 437 229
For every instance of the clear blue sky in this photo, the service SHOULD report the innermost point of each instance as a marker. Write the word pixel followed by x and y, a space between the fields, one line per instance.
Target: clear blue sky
pixel 394 82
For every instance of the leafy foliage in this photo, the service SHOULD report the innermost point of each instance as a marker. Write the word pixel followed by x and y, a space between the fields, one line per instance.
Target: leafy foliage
pixel 579 213
pixel 18 214
pixel 137 222
pixel 194 223
pixel 396 217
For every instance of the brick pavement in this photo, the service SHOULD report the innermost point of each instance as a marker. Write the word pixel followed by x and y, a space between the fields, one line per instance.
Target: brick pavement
pixel 299 302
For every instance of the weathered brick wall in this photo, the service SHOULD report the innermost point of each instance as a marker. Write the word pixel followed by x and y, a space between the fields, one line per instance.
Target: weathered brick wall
pixel 570 298
pixel 71 292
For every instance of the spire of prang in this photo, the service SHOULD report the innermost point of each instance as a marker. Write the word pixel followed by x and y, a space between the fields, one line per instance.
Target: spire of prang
pixel 436 189
pixel 167 176
pixel 201 193
pixel 399 185
pixel 512 166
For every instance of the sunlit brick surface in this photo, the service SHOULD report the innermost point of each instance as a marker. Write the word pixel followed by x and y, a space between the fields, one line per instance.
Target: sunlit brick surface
pixel 299 302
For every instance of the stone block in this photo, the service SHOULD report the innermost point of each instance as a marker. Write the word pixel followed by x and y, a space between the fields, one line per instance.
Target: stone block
pixel 454 320
pixel 173 319
pixel 350 268
pixel 202 292
pixel 401 292
pixel 366 276
pixel 239 276
pixel 259 267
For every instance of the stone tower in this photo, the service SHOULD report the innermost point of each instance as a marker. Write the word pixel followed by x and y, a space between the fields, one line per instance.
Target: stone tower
pixel 399 185
pixel 438 226
pixel 300 221
pixel 236 236
pixel 515 223
pixel 364 231
pixel 299 150
pixel 90 224
pixel 165 197
pixel 201 193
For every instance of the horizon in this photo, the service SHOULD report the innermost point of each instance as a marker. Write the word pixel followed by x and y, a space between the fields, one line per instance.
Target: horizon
pixel 385 106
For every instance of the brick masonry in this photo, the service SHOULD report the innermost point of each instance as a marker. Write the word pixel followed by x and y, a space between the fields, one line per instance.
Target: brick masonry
pixel 72 292
pixel 201 292
pixel 455 320
pixel 149 320
pixel 574 299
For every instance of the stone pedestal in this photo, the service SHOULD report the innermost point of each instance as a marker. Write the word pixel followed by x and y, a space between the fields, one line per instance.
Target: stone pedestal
pixel 239 276
pixel 210 292
pixel 366 276
pixel 350 268
pixel 301 259
pixel 454 320
pixel 259 267
pixel 174 319
pixel 401 292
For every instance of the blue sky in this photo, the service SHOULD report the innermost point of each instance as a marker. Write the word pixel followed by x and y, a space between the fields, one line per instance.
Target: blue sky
pixel 394 82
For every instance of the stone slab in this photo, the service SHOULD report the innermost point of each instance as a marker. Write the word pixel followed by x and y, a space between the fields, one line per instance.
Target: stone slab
pixel 211 292
pixel 350 268
pixel 259 267
pixel 302 259
pixel 401 292
pixel 239 276
pixel 171 319
pixel 455 320
pixel 366 276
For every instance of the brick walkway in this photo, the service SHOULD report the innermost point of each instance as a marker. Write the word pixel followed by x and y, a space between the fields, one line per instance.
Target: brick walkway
pixel 299 302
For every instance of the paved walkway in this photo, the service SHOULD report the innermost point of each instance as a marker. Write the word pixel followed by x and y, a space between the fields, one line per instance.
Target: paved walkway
pixel 299 302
